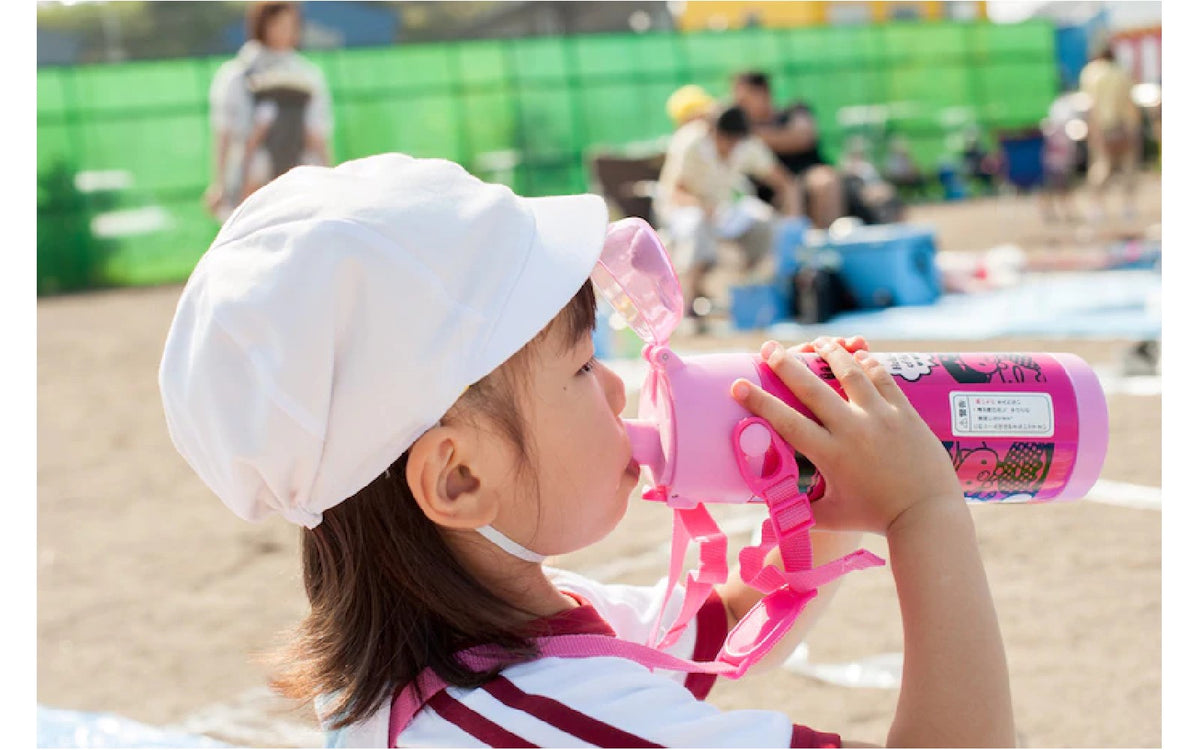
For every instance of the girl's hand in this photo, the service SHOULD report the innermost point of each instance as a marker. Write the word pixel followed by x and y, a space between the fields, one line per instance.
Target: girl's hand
pixel 873 446
pixel 852 345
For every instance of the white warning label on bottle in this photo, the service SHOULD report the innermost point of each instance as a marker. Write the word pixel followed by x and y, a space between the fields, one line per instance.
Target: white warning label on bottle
pixel 1007 414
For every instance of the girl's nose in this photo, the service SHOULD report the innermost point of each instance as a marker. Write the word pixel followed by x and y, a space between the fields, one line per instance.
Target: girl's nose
pixel 614 389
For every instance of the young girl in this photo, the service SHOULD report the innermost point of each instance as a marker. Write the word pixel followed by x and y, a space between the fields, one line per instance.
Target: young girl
pixel 398 357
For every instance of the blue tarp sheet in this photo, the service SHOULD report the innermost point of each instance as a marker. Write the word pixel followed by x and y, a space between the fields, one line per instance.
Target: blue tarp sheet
pixel 57 727
pixel 1106 304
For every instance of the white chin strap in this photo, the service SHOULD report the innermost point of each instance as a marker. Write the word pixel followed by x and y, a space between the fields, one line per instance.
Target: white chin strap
pixel 508 545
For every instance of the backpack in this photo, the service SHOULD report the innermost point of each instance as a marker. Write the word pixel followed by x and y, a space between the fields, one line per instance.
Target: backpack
pixel 284 93
pixel 819 293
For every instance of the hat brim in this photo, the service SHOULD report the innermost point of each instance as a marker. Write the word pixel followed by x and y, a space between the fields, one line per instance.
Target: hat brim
pixel 569 237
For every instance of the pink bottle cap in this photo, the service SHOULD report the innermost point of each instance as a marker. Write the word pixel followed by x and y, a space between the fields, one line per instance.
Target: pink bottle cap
pixel 635 275
pixel 1093 427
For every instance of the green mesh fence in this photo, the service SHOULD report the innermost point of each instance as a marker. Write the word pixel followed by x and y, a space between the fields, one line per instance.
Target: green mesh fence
pixel 124 150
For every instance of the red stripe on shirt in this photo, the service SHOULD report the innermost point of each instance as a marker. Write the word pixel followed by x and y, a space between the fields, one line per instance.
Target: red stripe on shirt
pixel 587 728
pixel 805 737
pixel 712 625
pixel 475 724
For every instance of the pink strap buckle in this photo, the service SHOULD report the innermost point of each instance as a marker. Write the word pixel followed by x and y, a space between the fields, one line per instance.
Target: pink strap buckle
pixel 762 627
pixel 765 460
pixel 768 466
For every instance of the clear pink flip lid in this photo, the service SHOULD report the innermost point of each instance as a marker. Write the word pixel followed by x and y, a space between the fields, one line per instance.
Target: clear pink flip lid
pixel 635 275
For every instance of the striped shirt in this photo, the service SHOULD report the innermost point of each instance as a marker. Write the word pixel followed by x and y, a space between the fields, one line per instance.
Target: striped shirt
pixel 606 701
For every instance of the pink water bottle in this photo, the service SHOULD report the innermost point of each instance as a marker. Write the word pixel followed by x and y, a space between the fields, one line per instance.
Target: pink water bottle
pixel 1018 427
pixel 1026 427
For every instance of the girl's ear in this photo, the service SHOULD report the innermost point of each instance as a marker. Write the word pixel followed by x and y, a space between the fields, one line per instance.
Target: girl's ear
pixel 446 487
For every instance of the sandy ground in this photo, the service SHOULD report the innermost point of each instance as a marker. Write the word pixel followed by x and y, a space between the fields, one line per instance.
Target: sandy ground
pixel 153 599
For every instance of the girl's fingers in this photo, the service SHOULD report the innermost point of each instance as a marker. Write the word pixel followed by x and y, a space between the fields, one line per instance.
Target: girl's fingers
pixel 824 401
pixel 855 344
pixel 883 380
pixel 803 434
pixel 849 372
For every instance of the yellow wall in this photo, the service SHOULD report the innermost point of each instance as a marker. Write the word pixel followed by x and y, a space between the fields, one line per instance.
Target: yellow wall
pixel 704 14
pixel 699 15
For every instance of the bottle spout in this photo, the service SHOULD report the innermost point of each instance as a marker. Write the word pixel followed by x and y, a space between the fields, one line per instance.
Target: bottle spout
pixel 646 445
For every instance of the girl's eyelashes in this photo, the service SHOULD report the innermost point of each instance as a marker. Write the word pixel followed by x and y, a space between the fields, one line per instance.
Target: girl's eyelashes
pixel 588 366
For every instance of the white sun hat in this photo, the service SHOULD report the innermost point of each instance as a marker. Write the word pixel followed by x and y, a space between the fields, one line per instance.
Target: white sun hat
pixel 340 312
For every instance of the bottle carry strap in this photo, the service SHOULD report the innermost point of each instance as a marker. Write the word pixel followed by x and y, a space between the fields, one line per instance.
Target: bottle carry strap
pixel 692 524
pixel 768 466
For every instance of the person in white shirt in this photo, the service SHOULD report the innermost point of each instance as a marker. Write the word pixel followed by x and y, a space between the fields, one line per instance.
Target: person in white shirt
pixel 704 196
pixel 269 109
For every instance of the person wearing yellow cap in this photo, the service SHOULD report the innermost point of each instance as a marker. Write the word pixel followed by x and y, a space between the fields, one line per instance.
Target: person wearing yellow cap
pixel 689 103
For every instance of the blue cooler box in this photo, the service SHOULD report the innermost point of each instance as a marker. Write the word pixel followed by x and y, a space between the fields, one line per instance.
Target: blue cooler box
pixel 787 245
pixel 889 264
pixel 756 306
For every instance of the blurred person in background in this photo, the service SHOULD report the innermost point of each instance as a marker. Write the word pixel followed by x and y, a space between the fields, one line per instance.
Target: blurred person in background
pixel 1114 130
pixel 901 170
pixel 856 163
pixel 269 108
pixel 792 135
pixel 1059 160
pixel 704 196
pixel 982 166
pixel 689 103
pixel 866 190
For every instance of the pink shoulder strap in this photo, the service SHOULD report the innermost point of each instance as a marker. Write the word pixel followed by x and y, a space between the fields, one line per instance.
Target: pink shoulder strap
pixel 409 700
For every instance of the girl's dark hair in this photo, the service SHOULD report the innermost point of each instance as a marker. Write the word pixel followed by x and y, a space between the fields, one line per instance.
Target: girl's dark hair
pixel 387 596
pixel 259 15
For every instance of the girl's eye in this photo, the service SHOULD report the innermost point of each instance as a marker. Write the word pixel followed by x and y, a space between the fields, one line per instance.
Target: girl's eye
pixel 588 366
